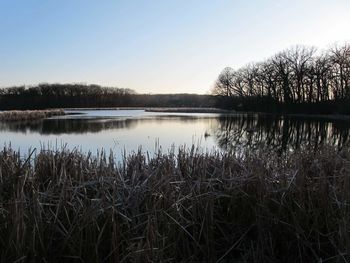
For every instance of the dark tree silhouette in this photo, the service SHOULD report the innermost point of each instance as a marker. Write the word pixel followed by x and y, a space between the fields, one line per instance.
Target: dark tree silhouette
pixel 86 96
pixel 297 79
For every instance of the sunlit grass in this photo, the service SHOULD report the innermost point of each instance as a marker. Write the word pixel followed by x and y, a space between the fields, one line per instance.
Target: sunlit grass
pixel 185 207
pixel 16 115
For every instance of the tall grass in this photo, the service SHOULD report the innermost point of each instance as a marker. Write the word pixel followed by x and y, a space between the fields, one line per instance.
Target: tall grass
pixel 16 115
pixel 187 207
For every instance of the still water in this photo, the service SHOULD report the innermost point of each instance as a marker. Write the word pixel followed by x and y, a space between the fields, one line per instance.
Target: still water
pixel 128 130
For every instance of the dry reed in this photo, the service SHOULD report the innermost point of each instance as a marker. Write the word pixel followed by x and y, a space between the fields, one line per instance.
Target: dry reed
pixel 16 115
pixel 188 110
pixel 187 207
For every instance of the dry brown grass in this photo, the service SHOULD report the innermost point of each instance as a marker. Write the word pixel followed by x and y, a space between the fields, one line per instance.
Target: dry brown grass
pixel 186 207
pixel 188 110
pixel 16 115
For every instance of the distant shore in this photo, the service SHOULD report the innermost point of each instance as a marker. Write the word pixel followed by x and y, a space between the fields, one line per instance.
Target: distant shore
pixel 161 109
pixel 331 117
pixel 189 110
pixel 28 115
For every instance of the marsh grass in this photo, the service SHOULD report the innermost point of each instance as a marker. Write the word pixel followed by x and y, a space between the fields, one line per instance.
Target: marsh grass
pixel 185 207
pixel 16 115
pixel 163 109
pixel 188 110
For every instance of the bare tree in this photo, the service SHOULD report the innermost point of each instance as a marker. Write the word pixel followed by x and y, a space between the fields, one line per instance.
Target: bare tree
pixel 340 58
pixel 283 71
pixel 293 76
pixel 299 58
pixel 322 70
pixel 224 83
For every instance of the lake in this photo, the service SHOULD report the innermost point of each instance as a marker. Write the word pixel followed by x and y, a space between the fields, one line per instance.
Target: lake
pixel 128 130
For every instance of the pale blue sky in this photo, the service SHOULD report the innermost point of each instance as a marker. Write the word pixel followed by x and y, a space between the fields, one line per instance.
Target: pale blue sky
pixel 155 46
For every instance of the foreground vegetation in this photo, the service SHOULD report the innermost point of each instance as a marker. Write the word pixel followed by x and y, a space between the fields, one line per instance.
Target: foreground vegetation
pixel 186 207
pixel 29 115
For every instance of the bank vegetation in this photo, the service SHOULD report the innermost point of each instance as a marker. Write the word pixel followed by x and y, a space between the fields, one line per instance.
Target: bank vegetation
pixel 29 115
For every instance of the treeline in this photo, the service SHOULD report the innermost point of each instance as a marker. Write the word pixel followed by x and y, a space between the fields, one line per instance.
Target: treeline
pixel 173 100
pixel 299 78
pixel 45 96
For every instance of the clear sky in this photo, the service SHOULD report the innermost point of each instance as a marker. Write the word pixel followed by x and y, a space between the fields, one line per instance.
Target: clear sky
pixel 155 46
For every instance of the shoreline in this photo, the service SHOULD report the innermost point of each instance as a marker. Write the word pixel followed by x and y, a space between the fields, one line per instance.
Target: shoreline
pixel 28 115
pixel 18 115
pixel 334 117
pixel 159 109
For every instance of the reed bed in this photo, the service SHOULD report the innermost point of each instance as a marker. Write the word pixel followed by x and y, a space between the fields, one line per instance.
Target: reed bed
pixel 66 206
pixel 163 109
pixel 188 110
pixel 28 115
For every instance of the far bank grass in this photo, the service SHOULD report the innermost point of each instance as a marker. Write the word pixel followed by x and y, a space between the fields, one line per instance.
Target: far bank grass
pixel 161 109
pixel 185 207
pixel 188 110
pixel 27 115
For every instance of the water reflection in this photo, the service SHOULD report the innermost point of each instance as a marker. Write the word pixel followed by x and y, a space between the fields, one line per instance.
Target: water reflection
pixel 66 126
pixel 131 130
pixel 82 125
pixel 279 132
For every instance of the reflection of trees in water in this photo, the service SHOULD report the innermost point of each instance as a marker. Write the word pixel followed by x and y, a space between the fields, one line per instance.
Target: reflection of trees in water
pixel 85 125
pixel 67 126
pixel 280 133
